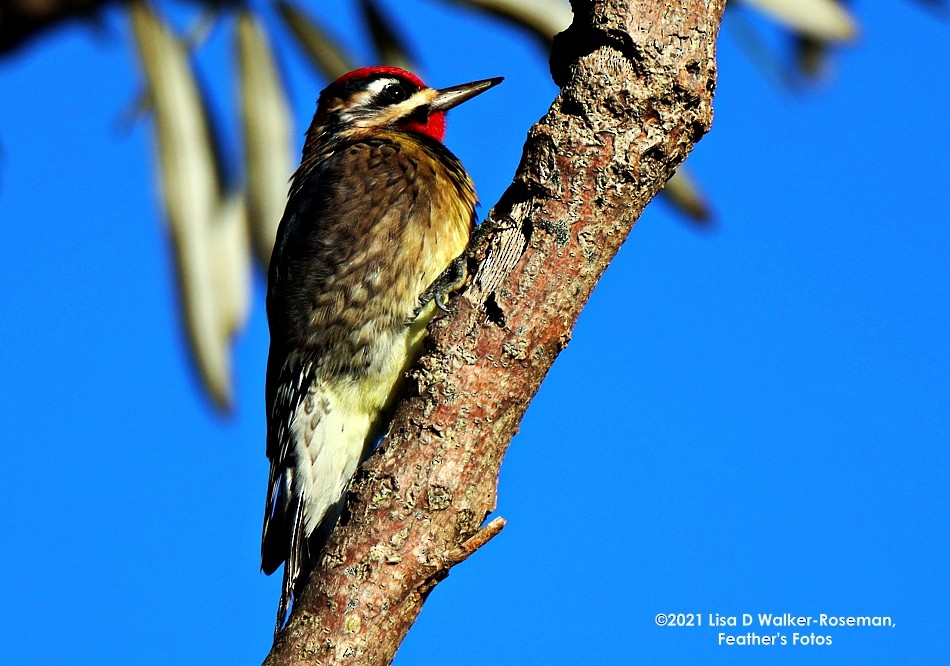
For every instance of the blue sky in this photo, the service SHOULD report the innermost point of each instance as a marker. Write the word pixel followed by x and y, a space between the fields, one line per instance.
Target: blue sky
pixel 749 420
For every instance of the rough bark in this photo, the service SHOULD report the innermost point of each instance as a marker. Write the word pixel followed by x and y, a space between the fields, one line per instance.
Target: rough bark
pixel 637 80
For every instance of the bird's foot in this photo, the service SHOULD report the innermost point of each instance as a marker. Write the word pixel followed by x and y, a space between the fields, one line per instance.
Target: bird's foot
pixel 452 279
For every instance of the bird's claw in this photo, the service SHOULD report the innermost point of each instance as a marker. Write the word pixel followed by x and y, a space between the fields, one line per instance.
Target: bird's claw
pixel 440 303
pixel 452 278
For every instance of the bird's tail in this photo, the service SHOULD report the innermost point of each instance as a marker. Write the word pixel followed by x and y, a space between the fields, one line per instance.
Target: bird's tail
pixel 329 441
pixel 304 551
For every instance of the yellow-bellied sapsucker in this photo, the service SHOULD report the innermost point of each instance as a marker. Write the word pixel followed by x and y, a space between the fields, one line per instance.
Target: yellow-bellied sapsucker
pixel 378 210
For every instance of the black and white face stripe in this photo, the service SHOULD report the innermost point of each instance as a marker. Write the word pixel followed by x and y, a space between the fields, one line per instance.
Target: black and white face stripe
pixel 376 100
pixel 390 90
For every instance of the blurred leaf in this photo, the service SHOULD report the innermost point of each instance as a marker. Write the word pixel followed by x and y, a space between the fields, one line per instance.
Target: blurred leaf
pixel 684 193
pixel 324 53
pixel 194 37
pixel 213 280
pixel 544 18
pixel 198 32
pixel 824 20
pixel 138 109
pixel 935 4
pixel 391 48
pixel 758 52
pixel 266 124
pixel 230 265
pixel 811 56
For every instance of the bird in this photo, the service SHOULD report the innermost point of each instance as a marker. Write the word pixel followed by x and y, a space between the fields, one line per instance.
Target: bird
pixel 378 218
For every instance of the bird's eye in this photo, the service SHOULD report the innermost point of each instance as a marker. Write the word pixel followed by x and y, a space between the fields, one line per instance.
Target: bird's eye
pixel 394 93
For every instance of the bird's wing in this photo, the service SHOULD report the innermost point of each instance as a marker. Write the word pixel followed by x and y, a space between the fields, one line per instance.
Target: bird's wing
pixel 291 373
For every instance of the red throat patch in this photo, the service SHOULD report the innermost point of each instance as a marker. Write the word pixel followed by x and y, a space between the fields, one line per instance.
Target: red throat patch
pixel 434 127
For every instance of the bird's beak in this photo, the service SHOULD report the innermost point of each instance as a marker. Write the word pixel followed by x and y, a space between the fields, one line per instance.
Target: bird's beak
pixel 451 97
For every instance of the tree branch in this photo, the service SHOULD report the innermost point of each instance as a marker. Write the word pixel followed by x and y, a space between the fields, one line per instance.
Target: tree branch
pixel 637 79
pixel 24 20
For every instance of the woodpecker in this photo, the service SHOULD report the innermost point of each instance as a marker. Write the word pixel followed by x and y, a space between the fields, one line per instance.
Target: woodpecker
pixel 378 212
